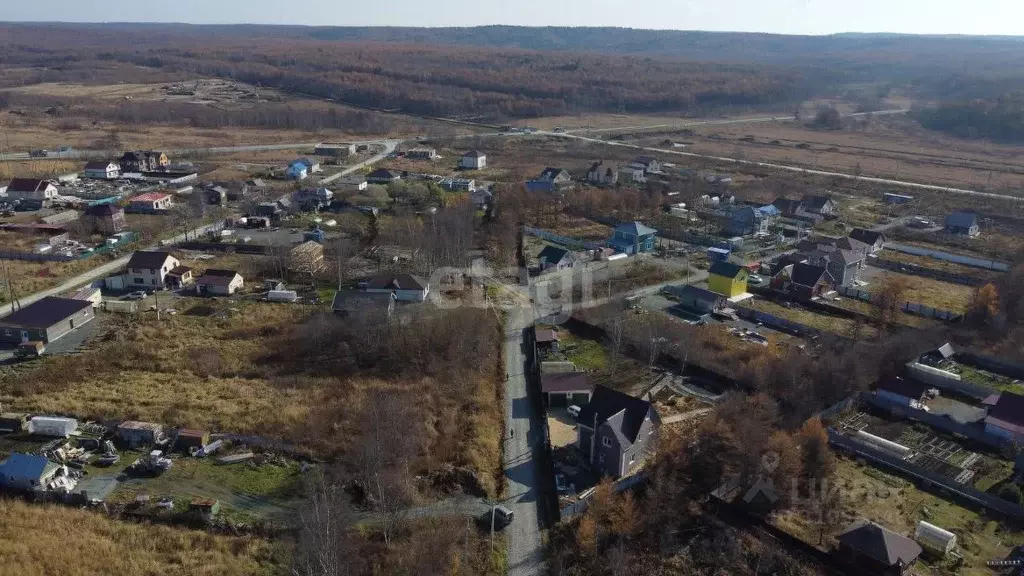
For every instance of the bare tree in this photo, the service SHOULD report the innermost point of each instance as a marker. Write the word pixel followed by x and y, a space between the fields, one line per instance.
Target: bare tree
pixel 326 546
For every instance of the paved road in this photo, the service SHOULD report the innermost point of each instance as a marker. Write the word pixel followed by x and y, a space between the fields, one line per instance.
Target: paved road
pixel 691 123
pixel 523 438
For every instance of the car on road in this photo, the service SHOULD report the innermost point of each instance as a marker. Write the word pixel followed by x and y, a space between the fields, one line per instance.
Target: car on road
pixel 573 411
pixel 498 516
pixel 138 295
pixel 38 153
pixel 559 130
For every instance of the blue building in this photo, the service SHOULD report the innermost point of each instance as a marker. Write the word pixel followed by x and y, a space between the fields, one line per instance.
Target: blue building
pixel 297 171
pixel 715 254
pixel 633 238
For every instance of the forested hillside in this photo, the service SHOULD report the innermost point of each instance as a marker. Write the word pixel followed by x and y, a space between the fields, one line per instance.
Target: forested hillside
pixel 1001 120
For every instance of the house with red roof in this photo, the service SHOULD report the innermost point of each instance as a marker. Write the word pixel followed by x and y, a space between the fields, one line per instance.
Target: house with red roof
pixel 150 202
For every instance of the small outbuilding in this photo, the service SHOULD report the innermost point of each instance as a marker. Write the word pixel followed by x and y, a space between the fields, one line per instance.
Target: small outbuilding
pixel 189 438
pixel 216 282
pixel 46 320
pixel 566 389
pixel 135 434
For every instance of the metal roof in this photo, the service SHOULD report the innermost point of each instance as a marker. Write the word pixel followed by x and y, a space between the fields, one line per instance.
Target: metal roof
pixel 45 313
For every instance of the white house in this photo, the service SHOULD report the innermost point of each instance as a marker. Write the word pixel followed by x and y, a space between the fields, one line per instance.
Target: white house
pixel 150 202
pixel 405 287
pixel 31 189
pixel 632 174
pixel 219 282
pixel 148 269
pixel 102 170
pixel 473 160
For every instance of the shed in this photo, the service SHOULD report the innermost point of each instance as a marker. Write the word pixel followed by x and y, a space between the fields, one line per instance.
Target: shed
pixel 189 438
pixel 136 434
pixel 13 422
pixel 205 506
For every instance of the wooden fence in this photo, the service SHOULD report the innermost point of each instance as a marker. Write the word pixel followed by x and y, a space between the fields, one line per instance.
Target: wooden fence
pixel 908 307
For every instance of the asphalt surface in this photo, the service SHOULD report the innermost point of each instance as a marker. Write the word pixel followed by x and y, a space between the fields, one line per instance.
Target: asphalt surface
pixel 523 438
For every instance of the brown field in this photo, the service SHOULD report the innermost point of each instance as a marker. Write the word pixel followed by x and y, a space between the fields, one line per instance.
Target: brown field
pixel 931 292
pixel 887 146
pixel 222 93
pixel 38 539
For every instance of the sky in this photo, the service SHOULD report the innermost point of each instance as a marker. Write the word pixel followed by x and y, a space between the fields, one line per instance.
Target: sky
pixel 1003 17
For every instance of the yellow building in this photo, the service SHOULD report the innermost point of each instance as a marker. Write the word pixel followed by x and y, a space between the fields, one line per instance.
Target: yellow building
pixel 727 279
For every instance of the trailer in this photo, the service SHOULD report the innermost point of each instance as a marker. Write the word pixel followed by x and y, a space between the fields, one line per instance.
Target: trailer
pixel 52 426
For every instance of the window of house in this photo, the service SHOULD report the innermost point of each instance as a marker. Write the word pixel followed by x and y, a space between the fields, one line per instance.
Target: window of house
pixel 152 271
pixel 632 458
pixel 600 458
pixel 606 441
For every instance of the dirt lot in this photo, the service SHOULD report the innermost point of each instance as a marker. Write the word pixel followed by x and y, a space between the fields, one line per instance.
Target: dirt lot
pixel 928 291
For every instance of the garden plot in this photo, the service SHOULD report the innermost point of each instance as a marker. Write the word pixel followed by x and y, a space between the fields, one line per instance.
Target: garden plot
pixel 929 450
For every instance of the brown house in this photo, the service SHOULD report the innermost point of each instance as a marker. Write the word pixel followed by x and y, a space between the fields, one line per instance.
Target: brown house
pixel 106 219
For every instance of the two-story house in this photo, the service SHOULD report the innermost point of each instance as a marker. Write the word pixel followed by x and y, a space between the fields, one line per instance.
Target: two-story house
pixel 106 219
pixel 551 180
pixel 603 174
pixel 633 238
pixel 615 431
pixel 102 170
pixel 746 221
pixel 149 269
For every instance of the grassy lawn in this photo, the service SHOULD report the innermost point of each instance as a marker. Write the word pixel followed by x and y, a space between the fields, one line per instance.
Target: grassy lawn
pixel 587 355
pixel 42 539
pixel 836 325
pixel 245 490
pixel 984 378
pixel 862 307
pixel 934 293
pixel 872 494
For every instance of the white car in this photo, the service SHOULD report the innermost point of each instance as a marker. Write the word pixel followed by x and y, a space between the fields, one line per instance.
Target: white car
pixel 756 279
pixel 573 411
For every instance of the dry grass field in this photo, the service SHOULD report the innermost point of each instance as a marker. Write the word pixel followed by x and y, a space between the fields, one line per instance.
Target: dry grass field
pixel 40 539
pixel 887 146
pixel 187 370
pixel 931 292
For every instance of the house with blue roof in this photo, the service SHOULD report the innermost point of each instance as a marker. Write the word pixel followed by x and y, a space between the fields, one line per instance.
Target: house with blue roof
pixel 27 472
pixel 633 238
pixel 297 171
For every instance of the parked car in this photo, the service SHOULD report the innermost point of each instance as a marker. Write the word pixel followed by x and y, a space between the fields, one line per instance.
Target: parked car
pixel 573 411
pixel 498 516
pixel 755 278
pixel 137 295
pixel 108 460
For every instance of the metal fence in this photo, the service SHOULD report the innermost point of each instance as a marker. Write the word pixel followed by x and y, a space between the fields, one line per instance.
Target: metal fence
pixel 566 241
pixel 775 322
pixel 967 494
pixel 908 307
pixel 915 371
pixel 949 257
pixel 971 432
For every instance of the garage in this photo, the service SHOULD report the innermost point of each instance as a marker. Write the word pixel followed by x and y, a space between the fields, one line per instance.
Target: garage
pixel 565 389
